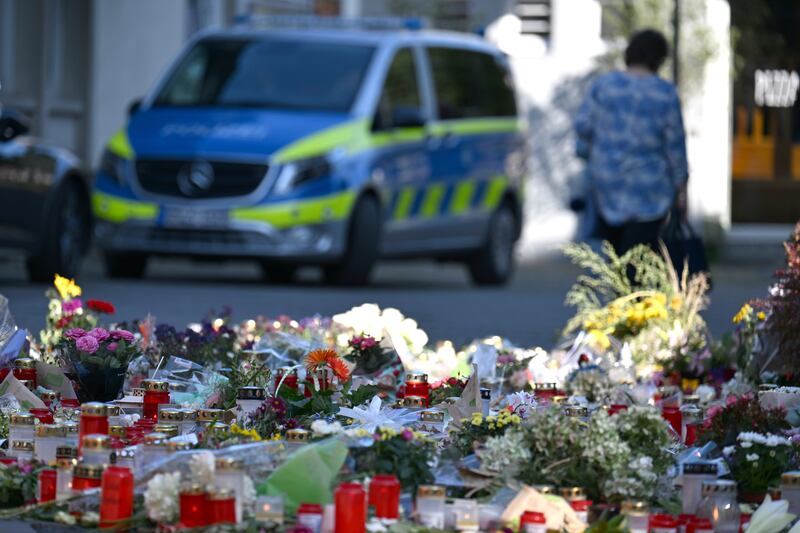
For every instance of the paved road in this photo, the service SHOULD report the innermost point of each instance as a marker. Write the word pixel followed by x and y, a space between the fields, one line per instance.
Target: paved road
pixel 529 311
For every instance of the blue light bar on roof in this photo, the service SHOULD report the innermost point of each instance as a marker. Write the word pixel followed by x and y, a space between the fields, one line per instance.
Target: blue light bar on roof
pixel 317 22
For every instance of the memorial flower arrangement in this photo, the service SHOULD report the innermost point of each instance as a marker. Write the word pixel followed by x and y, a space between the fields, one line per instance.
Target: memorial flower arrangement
pixel 757 460
pixel 475 430
pixel 405 453
pixel 66 310
pixel 740 414
pixel 446 388
pixel 18 483
pixel 640 300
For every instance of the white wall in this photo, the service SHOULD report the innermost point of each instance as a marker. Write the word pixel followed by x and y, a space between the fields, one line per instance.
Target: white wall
pixel 132 44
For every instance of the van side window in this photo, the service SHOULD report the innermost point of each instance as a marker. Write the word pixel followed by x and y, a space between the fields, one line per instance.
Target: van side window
pixel 400 96
pixel 471 84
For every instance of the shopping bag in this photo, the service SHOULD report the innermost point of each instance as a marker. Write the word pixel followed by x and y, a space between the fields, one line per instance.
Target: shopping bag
pixel 684 245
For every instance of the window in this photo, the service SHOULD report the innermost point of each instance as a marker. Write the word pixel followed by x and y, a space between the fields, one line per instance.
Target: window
pixel 471 84
pixel 400 90
pixel 268 73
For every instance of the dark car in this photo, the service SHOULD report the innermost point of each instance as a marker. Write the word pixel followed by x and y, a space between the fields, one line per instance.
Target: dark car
pixel 44 201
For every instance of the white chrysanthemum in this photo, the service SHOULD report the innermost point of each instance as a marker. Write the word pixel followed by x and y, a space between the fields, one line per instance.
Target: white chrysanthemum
pixel 728 450
pixel 752 457
pixel 202 467
pixel 161 497
pixel 705 393
pixel 323 428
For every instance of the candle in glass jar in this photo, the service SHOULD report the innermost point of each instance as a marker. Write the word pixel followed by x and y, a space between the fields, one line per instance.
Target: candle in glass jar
pixel 581 508
pixel 193 505
pixel 248 399
pixel 532 522
pixel 21 426
pixel 230 475
pixel 222 504
pixel 96 449
pixel 310 515
pixel 21 449
pixel 351 508
pixel 85 477
pixel 44 415
pixel 638 514
pixel 25 370
pixel 417 385
pixel 545 391
pixel 156 392
pixel 94 421
pixel 384 496
pixel 673 415
pixel 430 506
pixel 486 400
pixel 46 486
pixel 790 490
pixel 663 523
pixel 48 438
pixel 116 496
pixel 286 377
pixel 49 396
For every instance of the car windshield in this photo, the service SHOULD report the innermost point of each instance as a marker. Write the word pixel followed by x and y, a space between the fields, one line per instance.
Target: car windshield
pixel 268 73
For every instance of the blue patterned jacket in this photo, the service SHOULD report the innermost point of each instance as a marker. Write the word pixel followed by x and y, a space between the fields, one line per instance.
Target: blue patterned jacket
pixel 630 131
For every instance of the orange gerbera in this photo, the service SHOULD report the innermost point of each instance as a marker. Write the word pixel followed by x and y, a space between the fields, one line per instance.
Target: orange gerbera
pixel 329 358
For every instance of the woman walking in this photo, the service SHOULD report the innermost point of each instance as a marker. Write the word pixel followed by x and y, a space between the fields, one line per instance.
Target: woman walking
pixel 630 131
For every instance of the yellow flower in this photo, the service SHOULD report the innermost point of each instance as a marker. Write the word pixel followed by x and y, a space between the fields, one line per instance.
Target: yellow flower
pixel 491 425
pixel 476 422
pixel 743 314
pixel 251 433
pixel 762 315
pixel 516 419
pixel 676 303
pixel 66 287
pixel 599 339
pixel 276 436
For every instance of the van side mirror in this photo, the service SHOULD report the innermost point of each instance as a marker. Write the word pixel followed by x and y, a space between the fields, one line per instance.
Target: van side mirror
pixel 134 106
pixel 13 124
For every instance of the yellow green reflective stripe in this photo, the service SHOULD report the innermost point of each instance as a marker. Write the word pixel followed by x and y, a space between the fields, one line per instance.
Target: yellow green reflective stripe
pixel 494 191
pixel 462 197
pixel 120 145
pixel 349 135
pixel 291 213
pixel 404 203
pixel 116 209
pixel 473 126
pixel 400 136
pixel 432 200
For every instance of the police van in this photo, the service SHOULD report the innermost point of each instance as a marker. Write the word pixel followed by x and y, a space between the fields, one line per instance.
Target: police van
pixel 333 147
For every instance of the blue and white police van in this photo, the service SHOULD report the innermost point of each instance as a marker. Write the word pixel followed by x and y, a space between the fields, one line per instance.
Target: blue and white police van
pixel 326 146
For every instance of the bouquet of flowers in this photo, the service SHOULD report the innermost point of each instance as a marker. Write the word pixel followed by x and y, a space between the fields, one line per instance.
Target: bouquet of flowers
pixel 477 429
pixel 446 388
pixel 742 413
pixel 66 310
pixel 757 460
pixel 368 355
pixel 98 359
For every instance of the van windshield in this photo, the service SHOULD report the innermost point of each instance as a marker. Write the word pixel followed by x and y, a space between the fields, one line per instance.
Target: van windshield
pixel 268 73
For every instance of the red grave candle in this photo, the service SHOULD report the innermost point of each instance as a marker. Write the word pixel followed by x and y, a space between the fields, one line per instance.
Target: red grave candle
pixel 615 408
pixel 25 370
pixel 116 496
pixel 673 416
pixel 351 508
pixel 417 385
pixel 86 477
pixel 222 506
pixel 532 522
pixel 156 392
pixel 194 505
pixel 47 486
pixel 384 496
pixel 44 415
pixel 289 381
pixel 3 373
pixel 94 421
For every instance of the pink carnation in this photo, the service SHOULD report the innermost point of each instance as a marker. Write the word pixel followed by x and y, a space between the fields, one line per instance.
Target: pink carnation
pixel 70 306
pixel 100 334
pixel 122 334
pixel 87 344
pixel 111 347
pixel 75 333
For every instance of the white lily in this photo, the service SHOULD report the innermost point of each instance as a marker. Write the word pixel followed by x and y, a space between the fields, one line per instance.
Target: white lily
pixel 771 516
pixel 374 416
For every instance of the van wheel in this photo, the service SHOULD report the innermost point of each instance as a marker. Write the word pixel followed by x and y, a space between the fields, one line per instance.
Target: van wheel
pixel 65 238
pixel 278 273
pixel 493 263
pixel 363 243
pixel 125 265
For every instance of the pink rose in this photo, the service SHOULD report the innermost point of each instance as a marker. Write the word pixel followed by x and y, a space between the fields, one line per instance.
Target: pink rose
pixel 407 435
pixel 121 334
pixel 70 306
pixel 111 347
pixel 87 344
pixel 367 343
pixel 100 334
pixel 75 333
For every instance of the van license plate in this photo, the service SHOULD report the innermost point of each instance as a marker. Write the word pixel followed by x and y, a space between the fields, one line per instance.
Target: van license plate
pixel 192 217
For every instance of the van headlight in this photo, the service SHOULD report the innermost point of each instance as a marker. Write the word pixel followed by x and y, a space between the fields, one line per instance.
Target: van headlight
pixel 296 173
pixel 112 165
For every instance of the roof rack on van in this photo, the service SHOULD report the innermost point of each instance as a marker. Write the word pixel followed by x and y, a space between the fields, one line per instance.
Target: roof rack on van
pixel 322 22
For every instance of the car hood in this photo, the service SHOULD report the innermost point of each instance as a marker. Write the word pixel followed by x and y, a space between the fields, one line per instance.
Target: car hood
pixel 247 134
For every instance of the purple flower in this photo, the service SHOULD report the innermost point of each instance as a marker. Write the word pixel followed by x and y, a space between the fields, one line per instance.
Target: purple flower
pixel 70 306
pixel 111 347
pixel 122 334
pixel 25 467
pixel 407 435
pixel 100 334
pixel 87 344
pixel 75 333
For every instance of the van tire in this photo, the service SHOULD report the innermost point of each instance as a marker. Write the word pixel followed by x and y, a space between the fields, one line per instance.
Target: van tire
pixel 125 265
pixel 493 263
pixel 278 273
pixel 65 237
pixel 362 249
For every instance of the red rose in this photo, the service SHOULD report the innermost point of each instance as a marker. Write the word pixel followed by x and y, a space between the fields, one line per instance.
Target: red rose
pixel 63 322
pixel 101 306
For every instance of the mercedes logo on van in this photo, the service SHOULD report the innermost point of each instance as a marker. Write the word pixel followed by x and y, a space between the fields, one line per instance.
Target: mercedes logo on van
pixel 195 178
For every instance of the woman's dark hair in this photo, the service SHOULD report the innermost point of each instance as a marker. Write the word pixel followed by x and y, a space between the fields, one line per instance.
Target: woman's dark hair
pixel 647 48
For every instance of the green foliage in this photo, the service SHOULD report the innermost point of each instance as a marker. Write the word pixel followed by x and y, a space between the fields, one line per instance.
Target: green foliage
pixel 615 525
pixel 18 484
pixel 407 455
